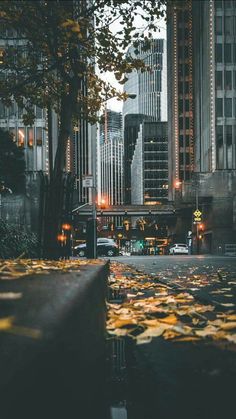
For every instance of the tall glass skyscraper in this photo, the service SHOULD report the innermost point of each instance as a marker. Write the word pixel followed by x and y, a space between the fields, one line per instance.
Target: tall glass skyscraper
pixel 149 104
pixel 111 158
pixel 215 84
pixel 149 86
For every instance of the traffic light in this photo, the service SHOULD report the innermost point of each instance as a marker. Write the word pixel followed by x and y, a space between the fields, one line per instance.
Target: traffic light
pixel 141 244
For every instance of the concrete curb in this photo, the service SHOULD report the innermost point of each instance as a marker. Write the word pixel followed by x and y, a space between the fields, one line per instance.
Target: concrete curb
pixel 43 378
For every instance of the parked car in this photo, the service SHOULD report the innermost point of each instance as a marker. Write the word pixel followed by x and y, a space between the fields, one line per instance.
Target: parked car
pixel 178 249
pixel 105 247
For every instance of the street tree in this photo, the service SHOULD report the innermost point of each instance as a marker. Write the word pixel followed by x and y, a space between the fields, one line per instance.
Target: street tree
pixel 60 44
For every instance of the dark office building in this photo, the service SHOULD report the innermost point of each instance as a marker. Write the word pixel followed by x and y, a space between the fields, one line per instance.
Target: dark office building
pixel 149 103
pixel 111 128
pixel 180 93
pixel 202 115
pixel 149 167
pixel 132 124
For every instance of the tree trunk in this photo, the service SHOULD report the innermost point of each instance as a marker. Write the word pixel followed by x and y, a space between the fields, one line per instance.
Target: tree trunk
pixel 58 192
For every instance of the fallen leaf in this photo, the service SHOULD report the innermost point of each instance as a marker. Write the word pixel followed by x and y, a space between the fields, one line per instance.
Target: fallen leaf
pixel 10 295
pixel 151 332
pixel 208 331
pixel 187 339
pixel 6 323
pixel 231 338
pixel 169 319
pixel 228 326
pixel 122 322
pixel 25 331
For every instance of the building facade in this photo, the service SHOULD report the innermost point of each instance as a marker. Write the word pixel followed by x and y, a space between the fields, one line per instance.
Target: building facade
pixel 149 102
pixel 149 86
pixel 215 84
pixel 112 126
pixel 180 94
pixel 205 129
pixel 149 167
pixel 112 172
pixel 33 139
pixel 111 150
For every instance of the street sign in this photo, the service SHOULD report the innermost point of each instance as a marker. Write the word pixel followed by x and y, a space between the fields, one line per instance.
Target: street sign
pixel 87 181
pixel 197 216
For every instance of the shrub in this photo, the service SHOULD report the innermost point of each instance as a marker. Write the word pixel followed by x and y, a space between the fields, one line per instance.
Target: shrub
pixel 15 241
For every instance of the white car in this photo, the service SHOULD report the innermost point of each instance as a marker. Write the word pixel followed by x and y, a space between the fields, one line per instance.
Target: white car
pixel 179 249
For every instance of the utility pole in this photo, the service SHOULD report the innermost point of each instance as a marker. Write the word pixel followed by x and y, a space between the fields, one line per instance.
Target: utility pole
pixel 89 182
pixel 197 233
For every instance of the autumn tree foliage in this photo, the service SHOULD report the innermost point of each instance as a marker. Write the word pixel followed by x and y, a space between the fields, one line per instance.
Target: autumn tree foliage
pixel 60 44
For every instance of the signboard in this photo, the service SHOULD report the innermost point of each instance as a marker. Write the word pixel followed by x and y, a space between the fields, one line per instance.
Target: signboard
pixel 87 181
pixel 197 216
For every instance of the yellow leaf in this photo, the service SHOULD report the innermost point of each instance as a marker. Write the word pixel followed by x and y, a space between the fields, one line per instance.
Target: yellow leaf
pixel 228 326
pixel 231 338
pixel 187 339
pixel 26 331
pixel 150 333
pixel 143 340
pixel 182 329
pixel 172 319
pixel 119 332
pixel 123 322
pixel 6 323
pixel 151 322
pixel 208 331
pixel 231 317
pixel 170 334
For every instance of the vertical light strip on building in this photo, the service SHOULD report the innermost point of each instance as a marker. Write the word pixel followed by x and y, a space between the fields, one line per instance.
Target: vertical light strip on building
pixel 176 131
pixel 47 147
pixel 68 156
pixel 212 84
pixel 191 138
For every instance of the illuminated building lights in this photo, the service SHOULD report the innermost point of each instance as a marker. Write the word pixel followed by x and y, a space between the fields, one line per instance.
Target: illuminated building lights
pixel 212 87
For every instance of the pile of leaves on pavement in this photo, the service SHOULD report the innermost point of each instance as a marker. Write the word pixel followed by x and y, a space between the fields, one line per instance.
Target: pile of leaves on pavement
pixel 15 268
pixel 151 309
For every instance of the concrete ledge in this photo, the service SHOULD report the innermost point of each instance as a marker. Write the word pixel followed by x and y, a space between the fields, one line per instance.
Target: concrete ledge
pixel 52 376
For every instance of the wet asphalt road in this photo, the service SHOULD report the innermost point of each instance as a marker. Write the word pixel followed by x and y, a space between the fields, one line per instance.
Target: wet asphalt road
pixel 202 276
pixel 184 380
pixel 153 264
